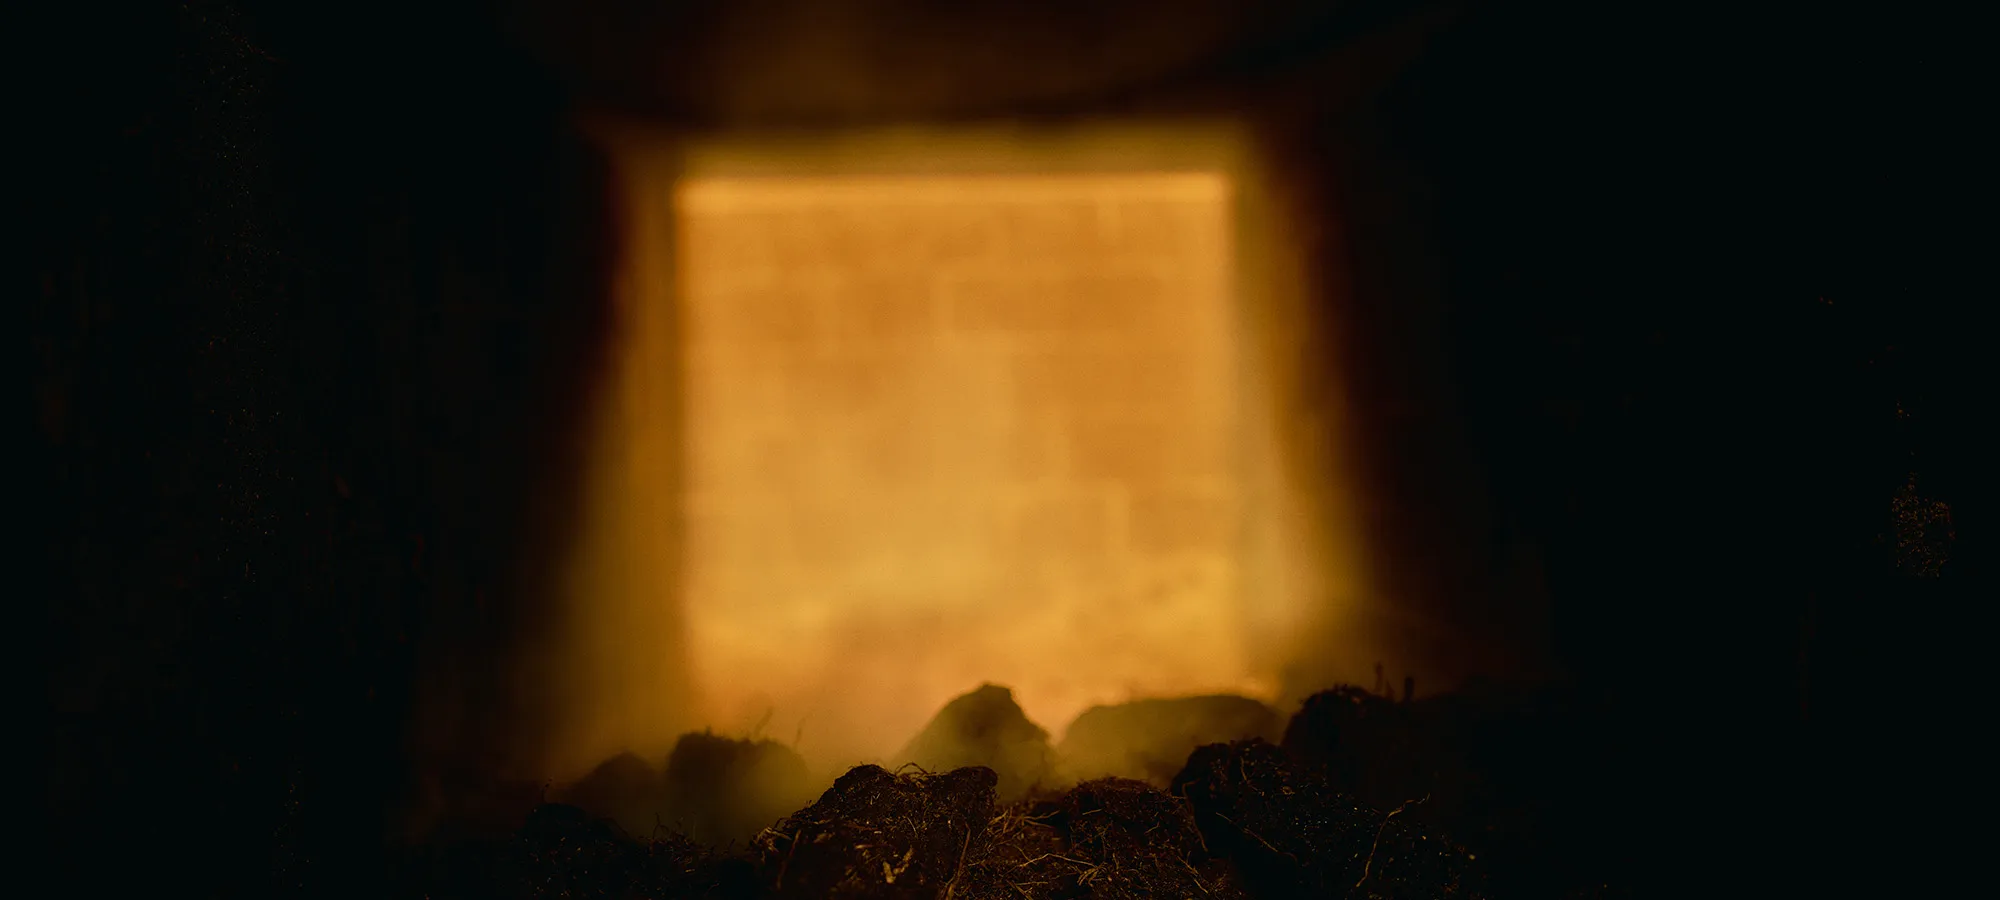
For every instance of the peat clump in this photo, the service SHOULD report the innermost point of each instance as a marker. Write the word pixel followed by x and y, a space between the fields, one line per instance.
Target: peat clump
pixel 1338 728
pixel 985 728
pixel 1150 739
pixel 1109 838
pixel 1383 752
pixel 624 789
pixel 723 791
pixel 1291 834
pixel 877 834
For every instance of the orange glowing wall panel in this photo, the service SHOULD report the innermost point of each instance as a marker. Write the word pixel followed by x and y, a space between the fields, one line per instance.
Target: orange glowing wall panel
pixel 942 430
pixel 891 414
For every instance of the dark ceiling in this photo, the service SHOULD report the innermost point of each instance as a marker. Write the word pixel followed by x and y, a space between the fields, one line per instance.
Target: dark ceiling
pixel 801 61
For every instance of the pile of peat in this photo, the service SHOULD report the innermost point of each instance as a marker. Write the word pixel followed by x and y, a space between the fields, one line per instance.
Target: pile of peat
pixel 1363 799
pixel 877 834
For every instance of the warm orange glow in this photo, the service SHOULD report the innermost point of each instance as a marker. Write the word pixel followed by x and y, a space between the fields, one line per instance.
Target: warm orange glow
pixel 898 434
pixel 951 429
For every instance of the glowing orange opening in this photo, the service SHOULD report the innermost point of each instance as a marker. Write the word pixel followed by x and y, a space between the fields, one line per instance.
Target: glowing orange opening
pixel 883 436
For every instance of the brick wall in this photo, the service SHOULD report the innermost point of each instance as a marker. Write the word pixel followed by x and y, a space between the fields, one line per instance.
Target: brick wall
pixel 942 430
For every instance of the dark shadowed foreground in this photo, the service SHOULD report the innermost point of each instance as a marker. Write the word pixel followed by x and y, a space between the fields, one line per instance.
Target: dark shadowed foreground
pixel 1291 835
pixel 1242 818
pixel 877 834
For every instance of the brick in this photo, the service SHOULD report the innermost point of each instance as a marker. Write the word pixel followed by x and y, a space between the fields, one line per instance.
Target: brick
pixel 956 235
pixel 1183 520
pixel 731 384
pixel 727 244
pixel 1067 303
pixel 847 385
pixel 1145 450
pixel 1065 231
pixel 729 545
pixel 897 538
pixel 1034 448
pixel 780 312
pixel 832 536
pixel 1186 382
pixel 900 237
pixel 751 457
pixel 1172 229
pixel 854 452
pixel 885 238
pixel 807 239
pixel 1073 524
pixel 892 307
pixel 1141 632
